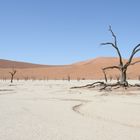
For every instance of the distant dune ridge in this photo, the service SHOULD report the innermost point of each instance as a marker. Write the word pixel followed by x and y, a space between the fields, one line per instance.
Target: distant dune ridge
pixel 90 69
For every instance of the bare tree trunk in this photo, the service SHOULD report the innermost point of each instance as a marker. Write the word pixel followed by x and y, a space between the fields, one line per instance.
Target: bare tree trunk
pixel 12 78
pixel 123 77
pixel 105 77
pixel 12 75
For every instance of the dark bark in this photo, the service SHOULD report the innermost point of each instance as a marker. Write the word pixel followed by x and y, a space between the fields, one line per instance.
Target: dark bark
pixel 12 75
pixel 123 77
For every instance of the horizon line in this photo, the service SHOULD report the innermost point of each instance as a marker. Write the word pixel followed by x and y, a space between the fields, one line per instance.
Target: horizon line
pixel 34 63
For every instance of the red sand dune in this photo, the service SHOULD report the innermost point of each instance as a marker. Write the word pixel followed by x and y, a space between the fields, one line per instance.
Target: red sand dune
pixel 91 69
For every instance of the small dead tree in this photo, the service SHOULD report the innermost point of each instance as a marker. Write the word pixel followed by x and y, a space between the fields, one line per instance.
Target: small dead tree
pixel 110 77
pixel 68 78
pixel 117 78
pixel 139 77
pixel 12 75
pixel 105 77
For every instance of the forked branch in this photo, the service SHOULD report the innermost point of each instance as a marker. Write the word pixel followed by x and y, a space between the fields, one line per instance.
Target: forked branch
pixel 135 50
pixel 114 36
pixel 114 45
pixel 135 62
pixel 111 67
pixel 12 75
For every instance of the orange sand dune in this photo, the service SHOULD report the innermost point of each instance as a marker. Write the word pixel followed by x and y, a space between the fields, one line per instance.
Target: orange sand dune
pixel 91 69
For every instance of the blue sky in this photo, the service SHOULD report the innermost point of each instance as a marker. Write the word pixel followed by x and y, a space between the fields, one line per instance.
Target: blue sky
pixel 66 31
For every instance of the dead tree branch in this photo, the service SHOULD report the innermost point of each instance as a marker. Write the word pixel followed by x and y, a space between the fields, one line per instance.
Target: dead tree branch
pixel 111 67
pixel 114 45
pixel 135 50
pixel 135 62
pixel 90 85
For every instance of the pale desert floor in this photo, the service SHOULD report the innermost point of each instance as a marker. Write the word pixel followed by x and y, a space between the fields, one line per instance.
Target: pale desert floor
pixel 50 110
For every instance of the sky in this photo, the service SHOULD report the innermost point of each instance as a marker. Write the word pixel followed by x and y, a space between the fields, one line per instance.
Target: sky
pixel 61 32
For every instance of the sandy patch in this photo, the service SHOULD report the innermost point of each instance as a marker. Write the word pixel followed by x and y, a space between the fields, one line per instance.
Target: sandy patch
pixel 50 110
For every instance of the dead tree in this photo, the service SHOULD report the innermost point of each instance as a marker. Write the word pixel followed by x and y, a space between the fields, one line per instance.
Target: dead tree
pixel 122 67
pixel 104 72
pixel 12 75
pixel 139 77
pixel 68 78
pixel 110 78
pixel 117 78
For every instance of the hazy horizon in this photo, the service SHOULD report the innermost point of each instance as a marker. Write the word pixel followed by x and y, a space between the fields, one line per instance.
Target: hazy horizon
pixel 64 32
pixel 80 61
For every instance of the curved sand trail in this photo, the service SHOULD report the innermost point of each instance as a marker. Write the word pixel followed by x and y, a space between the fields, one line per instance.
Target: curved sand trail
pixel 128 119
pixel 44 110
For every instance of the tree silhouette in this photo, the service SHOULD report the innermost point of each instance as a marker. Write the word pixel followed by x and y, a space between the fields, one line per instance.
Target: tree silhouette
pixel 122 67
pixel 12 75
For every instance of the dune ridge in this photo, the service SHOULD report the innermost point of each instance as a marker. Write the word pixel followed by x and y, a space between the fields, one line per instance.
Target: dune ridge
pixel 90 69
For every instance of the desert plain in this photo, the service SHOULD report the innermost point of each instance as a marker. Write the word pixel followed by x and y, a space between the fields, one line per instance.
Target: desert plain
pixel 50 110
